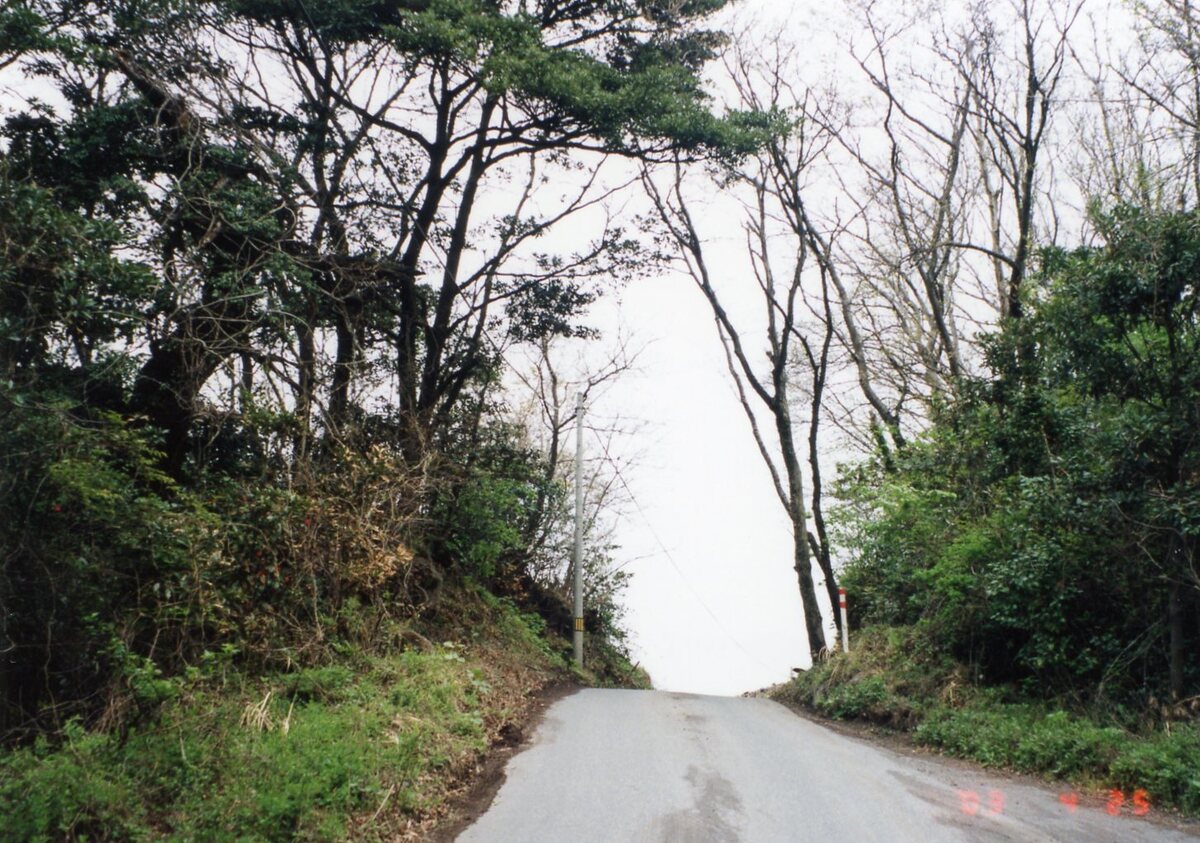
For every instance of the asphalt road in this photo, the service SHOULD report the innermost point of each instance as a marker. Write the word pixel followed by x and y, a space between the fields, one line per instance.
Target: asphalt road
pixel 617 766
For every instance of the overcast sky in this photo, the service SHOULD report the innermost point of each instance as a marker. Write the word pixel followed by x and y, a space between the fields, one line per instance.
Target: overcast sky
pixel 713 604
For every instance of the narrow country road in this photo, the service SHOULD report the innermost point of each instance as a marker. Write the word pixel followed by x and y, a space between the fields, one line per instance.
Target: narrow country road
pixel 617 766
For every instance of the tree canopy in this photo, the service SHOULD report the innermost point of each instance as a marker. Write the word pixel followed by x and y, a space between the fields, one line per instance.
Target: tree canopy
pixel 260 261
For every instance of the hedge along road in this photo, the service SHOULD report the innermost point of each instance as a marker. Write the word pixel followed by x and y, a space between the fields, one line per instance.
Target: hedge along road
pixel 654 766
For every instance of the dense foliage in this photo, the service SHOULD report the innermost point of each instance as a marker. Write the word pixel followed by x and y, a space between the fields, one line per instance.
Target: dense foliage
pixel 259 265
pixel 1045 529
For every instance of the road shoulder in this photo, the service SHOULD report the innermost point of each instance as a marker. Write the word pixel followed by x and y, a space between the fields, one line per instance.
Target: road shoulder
pixel 901 743
pixel 475 796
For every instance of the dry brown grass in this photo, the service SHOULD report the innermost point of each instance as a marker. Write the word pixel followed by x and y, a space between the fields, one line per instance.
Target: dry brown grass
pixel 257 716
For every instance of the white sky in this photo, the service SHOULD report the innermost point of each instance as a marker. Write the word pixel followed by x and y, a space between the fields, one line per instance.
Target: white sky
pixel 713 605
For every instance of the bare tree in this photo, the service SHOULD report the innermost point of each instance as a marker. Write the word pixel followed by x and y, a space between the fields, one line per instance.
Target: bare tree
pixel 910 205
pixel 543 398
pixel 1139 142
pixel 777 261
pixel 1167 76
pixel 936 191
pixel 1011 123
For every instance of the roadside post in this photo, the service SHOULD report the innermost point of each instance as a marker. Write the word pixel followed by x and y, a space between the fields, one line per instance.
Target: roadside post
pixel 577 555
pixel 845 623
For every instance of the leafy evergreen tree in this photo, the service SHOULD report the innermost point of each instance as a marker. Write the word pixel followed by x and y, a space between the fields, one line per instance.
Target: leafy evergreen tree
pixel 1046 527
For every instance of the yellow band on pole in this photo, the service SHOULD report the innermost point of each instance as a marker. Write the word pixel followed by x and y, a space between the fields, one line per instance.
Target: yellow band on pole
pixel 579 624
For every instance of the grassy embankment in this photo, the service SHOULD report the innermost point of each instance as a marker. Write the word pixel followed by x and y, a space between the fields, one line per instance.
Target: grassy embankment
pixel 892 680
pixel 369 747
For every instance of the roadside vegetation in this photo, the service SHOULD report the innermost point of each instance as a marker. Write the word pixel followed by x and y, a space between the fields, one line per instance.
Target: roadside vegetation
pixel 1024 574
pixel 894 679
pixel 1042 738
pixel 367 746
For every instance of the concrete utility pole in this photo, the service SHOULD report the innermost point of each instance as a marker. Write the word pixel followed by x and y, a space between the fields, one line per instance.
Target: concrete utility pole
pixel 577 556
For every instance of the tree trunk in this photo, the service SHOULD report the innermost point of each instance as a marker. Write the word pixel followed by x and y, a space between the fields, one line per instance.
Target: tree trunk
pixel 1175 632
pixel 821 544
pixel 802 564
pixel 801 561
pixel 168 385
pixel 345 355
pixel 306 383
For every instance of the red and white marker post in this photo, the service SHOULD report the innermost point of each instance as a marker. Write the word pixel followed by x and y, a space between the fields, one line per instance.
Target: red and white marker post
pixel 845 623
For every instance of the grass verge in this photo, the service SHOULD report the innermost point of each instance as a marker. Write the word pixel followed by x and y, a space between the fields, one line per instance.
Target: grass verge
pixel 368 747
pixel 894 679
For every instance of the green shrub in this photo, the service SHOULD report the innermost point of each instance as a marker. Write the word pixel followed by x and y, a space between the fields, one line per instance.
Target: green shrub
pixel 1167 766
pixel 1036 525
pixel 70 792
pixel 1023 737
pixel 102 554
pixel 894 677
pixel 296 758
pixel 1030 739
pixel 853 699
pixel 488 514
pixel 318 683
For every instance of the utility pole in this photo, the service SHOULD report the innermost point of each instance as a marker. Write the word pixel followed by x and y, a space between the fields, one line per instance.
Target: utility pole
pixel 577 556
